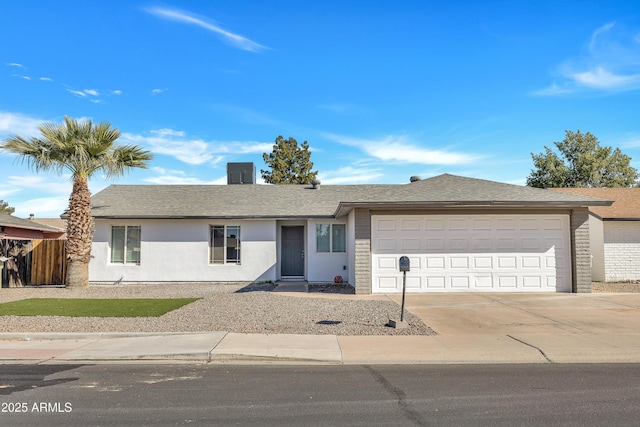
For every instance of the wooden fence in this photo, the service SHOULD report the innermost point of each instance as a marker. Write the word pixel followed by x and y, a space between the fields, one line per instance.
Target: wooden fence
pixel 33 263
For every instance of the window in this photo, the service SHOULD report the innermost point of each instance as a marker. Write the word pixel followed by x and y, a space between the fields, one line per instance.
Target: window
pixel 331 238
pixel 125 244
pixel 225 244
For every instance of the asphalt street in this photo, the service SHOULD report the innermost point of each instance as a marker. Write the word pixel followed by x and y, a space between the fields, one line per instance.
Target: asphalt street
pixel 398 395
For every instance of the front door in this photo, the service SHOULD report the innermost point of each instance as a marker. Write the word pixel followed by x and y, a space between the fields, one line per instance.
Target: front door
pixel 292 263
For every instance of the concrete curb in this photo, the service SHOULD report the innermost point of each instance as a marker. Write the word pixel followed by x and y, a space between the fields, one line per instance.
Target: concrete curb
pixel 53 336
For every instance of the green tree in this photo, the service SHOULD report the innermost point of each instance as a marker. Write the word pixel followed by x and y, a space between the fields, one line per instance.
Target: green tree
pixel 83 149
pixel 582 163
pixel 289 163
pixel 5 208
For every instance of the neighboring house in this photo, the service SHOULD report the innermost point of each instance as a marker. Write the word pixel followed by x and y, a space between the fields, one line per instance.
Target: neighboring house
pixel 615 233
pixel 461 234
pixel 53 222
pixel 31 253
pixel 15 228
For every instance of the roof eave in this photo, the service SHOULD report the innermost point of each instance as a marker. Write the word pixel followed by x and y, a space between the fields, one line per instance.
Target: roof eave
pixel 345 207
pixel 211 217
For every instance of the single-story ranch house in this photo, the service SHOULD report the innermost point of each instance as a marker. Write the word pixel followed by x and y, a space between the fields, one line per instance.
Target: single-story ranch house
pixel 460 234
pixel 614 232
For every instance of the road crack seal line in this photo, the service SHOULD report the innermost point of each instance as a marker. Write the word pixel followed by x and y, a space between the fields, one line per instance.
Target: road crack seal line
pixel 532 346
pixel 410 413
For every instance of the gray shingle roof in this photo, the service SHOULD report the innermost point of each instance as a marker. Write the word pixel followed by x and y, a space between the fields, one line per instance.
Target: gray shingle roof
pixel 302 201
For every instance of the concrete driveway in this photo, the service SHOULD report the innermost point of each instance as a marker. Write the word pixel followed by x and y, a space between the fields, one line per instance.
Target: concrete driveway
pixel 557 313
pixel 511 328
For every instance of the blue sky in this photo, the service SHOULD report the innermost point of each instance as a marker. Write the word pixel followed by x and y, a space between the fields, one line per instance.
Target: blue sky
pixel 381 90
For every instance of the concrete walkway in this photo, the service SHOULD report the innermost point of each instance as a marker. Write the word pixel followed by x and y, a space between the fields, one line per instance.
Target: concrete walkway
pixel 471 327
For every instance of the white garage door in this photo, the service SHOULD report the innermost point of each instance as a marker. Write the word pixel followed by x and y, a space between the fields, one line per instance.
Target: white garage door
pixel 490 253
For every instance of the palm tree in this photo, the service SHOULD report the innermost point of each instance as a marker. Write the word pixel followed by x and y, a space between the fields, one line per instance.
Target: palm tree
pixel 82 148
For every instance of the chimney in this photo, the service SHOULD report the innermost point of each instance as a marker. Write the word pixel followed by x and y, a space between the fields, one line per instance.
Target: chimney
pixel 415 178
pixel 241 173
pixel 31 216
pixel 316 184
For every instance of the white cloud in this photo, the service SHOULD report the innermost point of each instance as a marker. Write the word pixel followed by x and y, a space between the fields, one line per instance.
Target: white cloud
pixel 610 62
pixel 6 190
pixel 599 78
pixel 79 93
pixel 45 79
pixel 44 195
pixel 47 182
pixel 116 92
pixel 16 65
pixel 157 91
pixel 18 124
pixel 191 150
pixel 174 177
pixel 41 207
pixel 349 175
pixel 552 90
pixel 235 40
pixel 395 148
pixel 84 93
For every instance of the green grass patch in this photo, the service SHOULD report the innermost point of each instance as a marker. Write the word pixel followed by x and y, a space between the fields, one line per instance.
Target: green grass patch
pixel 80 307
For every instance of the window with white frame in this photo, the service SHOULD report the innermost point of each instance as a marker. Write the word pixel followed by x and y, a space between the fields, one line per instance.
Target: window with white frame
pixel 224 244
pixel 331 238
pixel 125 244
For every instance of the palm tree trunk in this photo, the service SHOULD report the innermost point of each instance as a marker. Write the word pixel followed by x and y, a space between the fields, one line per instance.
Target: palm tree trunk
pixel 79 234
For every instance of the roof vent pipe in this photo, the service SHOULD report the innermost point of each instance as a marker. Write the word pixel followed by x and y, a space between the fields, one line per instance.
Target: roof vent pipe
pixel 415 178
pixel 315 183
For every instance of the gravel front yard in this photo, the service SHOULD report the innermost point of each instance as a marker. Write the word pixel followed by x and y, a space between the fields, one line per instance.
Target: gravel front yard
pixel 231 308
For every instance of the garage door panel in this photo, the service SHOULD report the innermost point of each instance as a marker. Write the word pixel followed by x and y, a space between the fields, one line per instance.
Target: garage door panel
pixel 510 282
pixel 458 224
pixel 435 282
pixel 530 243
pixel 387 244
pixel 460 282
pixel 483 262
pixel 458 244
pixel 413 283
pixel 389 283
pixel 483 244
pixel 505 224
pixel 435 262
pixel 507 262
pixel 472 253
pixel 532 224
pixel 480 224
pixel 507 244
pixel 434 224
pixel 434 245
pixel 386 225
pixel 532 282
pixel 410 225
pixel 552 224
pixel 387 263
pixel 416 262
pixel 410 244
pixel 484 282
pixel 531 262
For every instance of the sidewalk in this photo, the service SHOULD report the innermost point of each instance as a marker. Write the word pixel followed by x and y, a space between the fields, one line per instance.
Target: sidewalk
pixel 472 328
